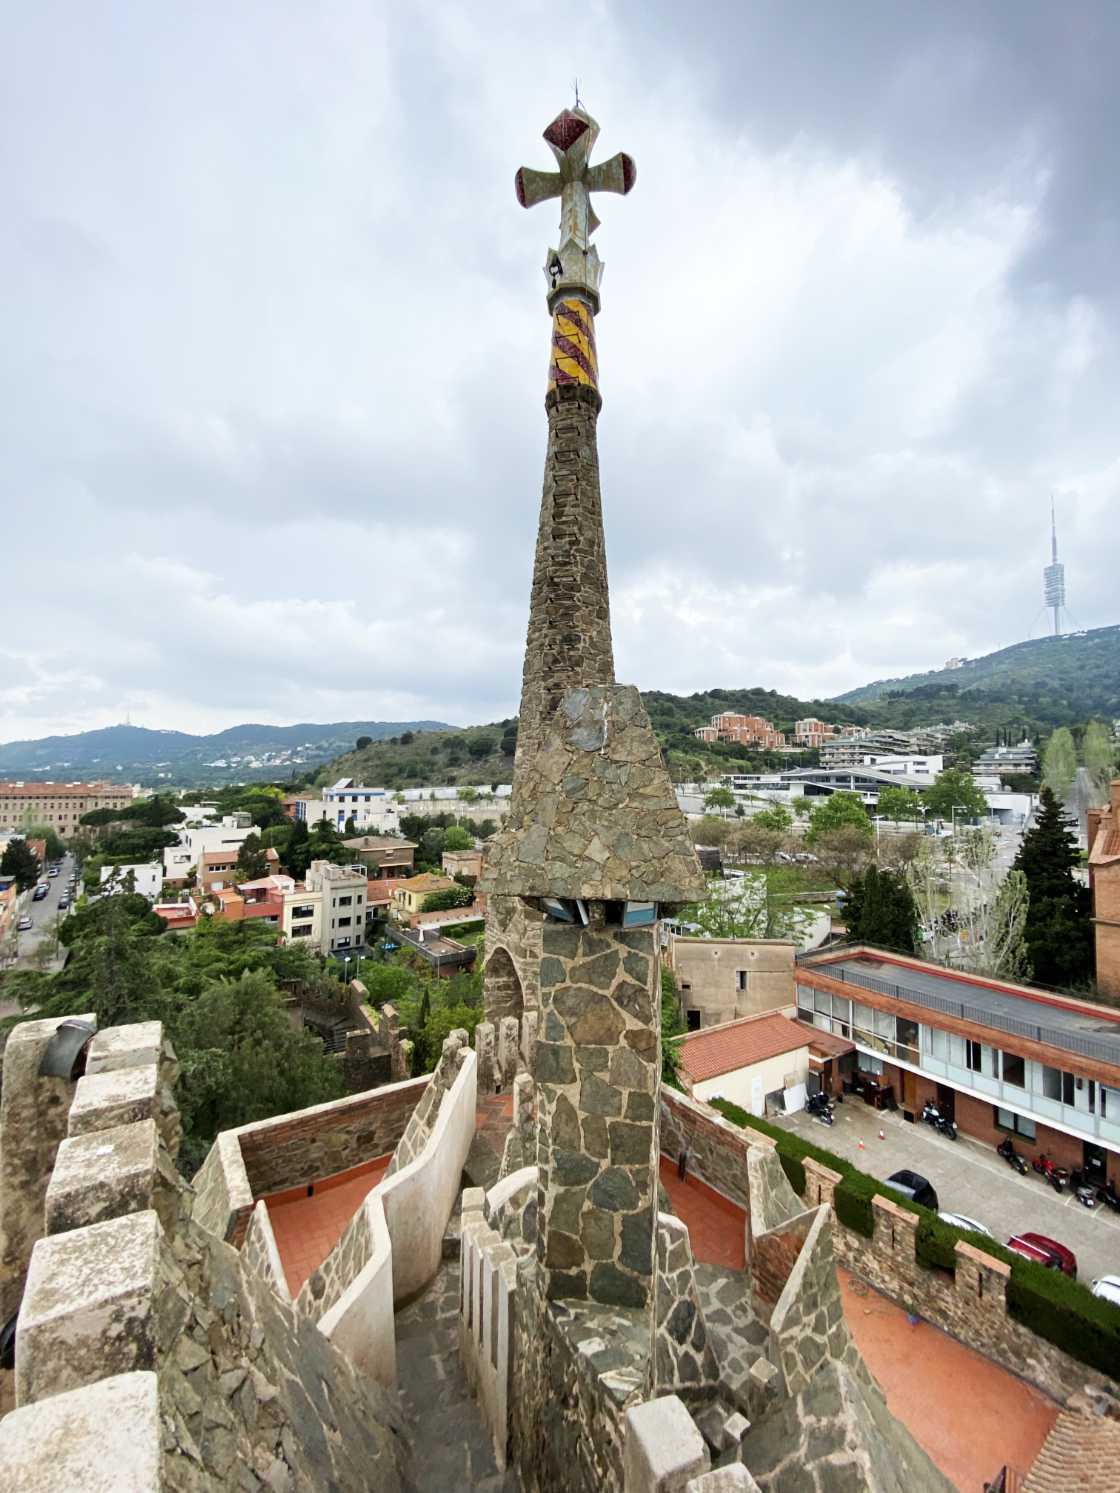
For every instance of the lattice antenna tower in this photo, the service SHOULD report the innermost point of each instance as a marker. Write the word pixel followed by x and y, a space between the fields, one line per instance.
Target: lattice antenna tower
pixel 1054 578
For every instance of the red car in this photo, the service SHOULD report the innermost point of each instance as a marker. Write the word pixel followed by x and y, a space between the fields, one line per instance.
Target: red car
pixel 1044 1251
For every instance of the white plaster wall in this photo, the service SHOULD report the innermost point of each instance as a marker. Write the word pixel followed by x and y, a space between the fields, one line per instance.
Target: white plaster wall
pixel 361 1320
pixel 748 1087
pixel 418 1199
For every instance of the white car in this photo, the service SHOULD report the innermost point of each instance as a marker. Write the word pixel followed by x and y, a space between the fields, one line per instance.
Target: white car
pixel 970 1225
pixel 1107 1287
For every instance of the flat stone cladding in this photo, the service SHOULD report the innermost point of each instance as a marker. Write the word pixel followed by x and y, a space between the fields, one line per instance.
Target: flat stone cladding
pixel 597 1066
pixel 716 1151
pixel 682 1356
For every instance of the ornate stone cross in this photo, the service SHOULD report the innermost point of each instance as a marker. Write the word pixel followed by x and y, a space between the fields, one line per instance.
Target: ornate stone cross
pixel 575 266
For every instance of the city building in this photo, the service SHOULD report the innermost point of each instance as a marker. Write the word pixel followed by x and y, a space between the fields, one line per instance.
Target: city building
pixel 811 732
pixel 182 860
pixel 343 914
pixel 145 879
pixel 9 905
pixel 745 730
pixel 850 751
pixel 1002 1059
pixel 445 956
pixel 462 863
pixel 369 808
pixel 180 917
pixel 385 857
pixel 998 761
pixel 58 805
pixel 409 896
pixel 216 869
pixel 720 979
pixel 913 765
pixel 748 1061
pixel 1104 879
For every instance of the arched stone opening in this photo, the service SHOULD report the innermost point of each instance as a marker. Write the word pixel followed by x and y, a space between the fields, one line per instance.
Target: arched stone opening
pixel 501 986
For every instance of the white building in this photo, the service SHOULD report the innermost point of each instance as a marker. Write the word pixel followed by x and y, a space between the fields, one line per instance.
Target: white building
pixel 343 915
pixel 925 767
pixel 748 1060
pixel 147 879
pixel 369 808
pixel 180 860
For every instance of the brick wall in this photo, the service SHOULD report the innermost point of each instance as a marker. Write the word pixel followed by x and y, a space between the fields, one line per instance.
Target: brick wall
pixel 773 1256
pixel 296 1149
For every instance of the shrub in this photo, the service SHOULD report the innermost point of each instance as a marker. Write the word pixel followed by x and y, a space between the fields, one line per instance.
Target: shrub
pixel 1066 1314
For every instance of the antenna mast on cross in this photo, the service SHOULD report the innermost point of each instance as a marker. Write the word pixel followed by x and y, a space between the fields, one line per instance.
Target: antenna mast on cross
pixel 1054 578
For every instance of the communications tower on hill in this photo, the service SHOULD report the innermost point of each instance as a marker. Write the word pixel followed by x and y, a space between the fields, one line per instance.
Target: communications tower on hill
pixel 1054 578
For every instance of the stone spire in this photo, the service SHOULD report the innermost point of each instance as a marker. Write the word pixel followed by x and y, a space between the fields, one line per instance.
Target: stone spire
pixel 569 637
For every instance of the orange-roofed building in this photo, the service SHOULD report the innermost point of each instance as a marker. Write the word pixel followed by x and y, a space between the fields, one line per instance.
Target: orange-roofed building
pixel 747 1059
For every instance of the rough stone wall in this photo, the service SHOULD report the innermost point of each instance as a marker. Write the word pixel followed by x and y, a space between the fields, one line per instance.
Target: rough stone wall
pixel 325 1285
pixel 577 1369
pixel 223 1385
pixel 681 1358
pixel 513 929
pixel 807 1326
pixel 34 1114
pixel 260 1256
pixel 597 1070
pixel 423 1118
pixel 773 1201
pixel 569 636
pixel 716 1149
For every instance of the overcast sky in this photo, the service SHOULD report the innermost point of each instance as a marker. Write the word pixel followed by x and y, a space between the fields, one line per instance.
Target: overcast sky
pixel 275 344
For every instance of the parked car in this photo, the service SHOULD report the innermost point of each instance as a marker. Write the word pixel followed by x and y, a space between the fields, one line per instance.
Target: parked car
pixel 54 870
pixel 962 1221
pixel 1045 1251
pixel 39 893
pixel 1107 1287
pixel 63 902
pixel 25 924
pixel 914 1185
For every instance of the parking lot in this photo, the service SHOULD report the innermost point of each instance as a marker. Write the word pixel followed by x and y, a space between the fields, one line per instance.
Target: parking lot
pixel 969 1178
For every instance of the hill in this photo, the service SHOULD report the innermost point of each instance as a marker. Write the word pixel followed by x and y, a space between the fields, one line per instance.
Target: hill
pixel 1053 681
pixel 237 754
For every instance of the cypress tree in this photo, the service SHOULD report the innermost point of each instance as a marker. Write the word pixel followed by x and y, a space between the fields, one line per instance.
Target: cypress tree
pixel 1059 931
pixel 881 911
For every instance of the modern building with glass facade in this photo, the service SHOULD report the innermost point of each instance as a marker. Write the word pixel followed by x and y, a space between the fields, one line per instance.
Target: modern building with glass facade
pixel 1003 1059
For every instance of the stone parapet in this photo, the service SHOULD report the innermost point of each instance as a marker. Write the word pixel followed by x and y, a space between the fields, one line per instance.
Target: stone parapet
pixel 87 1310
pixel 821 1182
pixel 137 1045
pixel 664 1447
pixel 105 1174
pixel 58 1444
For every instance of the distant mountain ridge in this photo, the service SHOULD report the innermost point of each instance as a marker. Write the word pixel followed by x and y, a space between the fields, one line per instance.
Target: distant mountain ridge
pixel 126 752
pixel 1075 675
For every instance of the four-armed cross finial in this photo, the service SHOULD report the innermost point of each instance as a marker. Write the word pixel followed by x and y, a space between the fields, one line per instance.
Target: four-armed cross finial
pixel 575 266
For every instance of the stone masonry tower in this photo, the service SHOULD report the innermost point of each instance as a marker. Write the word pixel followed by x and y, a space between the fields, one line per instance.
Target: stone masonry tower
pixel 595 845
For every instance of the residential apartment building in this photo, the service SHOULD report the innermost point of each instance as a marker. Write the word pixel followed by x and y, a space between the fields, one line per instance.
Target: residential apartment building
pixel 179 861
pixel 343 914
pixel 746 730
pixel 59 805
pixel 999 760
pixel 385 857
pixel 850 751
pixel 9 906
pixel 143 878
pixel 720 979
pixel 1003 1059
pixel 462 863
pixel 409 896
pixel 1104 879
pixel 812 732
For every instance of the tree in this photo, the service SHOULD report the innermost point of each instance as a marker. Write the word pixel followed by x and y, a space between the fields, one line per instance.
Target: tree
pixel 362 742
pixel 775 817
pixel 251 862
pixel 672 1025
pixel 761 905
pixel 956 789
pixel 755 844
pixel 880 910
pixel 720 798
pixel 841 810
pixel 1058 930
pixel 1059 762
pixel 54 846
pixel 480 747
pixel 457 896
pixel 20 861
pixel 844 853
pixel 1098 753
pixel 997 945
pixel 899 803
pixel 457 838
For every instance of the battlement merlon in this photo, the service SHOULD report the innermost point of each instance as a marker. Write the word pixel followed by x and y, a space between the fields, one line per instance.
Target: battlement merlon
pixel 574 269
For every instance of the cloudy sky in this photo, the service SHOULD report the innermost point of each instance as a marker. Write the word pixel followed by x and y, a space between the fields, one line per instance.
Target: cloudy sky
pixel 275 345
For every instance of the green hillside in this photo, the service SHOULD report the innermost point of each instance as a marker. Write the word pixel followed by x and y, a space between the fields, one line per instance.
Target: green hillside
pixel 1052 681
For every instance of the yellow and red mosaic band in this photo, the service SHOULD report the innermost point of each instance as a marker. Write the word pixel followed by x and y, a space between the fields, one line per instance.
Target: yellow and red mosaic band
pixel 573 359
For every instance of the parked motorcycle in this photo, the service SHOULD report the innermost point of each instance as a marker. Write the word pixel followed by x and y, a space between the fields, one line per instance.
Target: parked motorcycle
pixel 933 1116
pixel 819 1107
pixel 1109 1196
pixel 1084 1190
pixel 1046 1167
pixel 1011 1156
pixel 1079 1178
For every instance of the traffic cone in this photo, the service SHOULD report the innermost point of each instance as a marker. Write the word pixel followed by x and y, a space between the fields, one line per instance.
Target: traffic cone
pixel 882 1135
pixel 861 1145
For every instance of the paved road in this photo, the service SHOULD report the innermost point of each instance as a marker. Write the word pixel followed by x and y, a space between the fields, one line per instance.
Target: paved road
pixel 43 914
pixel 969 1178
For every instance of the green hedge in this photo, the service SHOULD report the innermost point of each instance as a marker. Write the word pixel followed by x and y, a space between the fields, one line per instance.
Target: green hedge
pixel 1062 1311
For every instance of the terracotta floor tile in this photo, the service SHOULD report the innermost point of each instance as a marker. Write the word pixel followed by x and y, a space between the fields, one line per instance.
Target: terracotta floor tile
pixel 308 1228
pixel 716 1227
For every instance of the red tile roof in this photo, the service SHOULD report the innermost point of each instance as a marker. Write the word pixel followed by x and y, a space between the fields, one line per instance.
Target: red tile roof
pixel 738 1044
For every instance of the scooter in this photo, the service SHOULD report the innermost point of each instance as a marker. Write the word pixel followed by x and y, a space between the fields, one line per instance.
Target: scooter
pixel 820 1108
pixel 1056 1175
pixel 933 1116
pixel 1011 1156
pixel 1109 1196
pixel 1083 1190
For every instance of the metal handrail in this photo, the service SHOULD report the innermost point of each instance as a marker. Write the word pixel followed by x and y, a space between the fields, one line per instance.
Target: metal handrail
pixel 1107 1051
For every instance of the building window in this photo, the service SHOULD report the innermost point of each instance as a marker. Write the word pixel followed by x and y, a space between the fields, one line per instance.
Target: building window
pixel 1016 1124
pixel 342 943
pixel 972 1054
pixel 304 932
pixel 343 923
pixel 343 902
pixel 693 1019
pixel 1014 1069
pixel 870 1065
pixel 740 979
